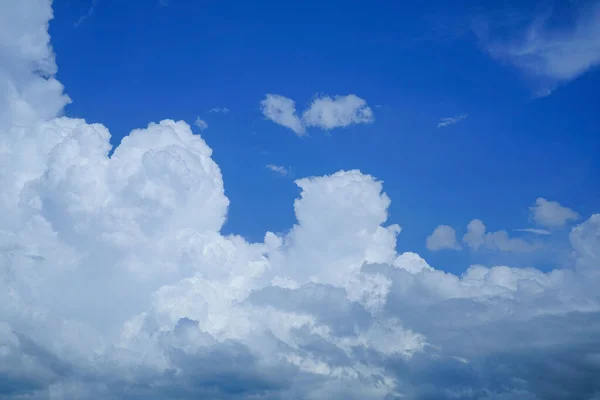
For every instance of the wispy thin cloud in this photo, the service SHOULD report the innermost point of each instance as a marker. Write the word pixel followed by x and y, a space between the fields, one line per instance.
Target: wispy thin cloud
pixel 220 110
pixel 281 170
pixel 534 230
pixel 201 124
pixel 451 120
pixel 87 14
pixel 550 57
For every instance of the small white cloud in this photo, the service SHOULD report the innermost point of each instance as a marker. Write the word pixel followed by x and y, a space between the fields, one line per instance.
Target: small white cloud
pixel 551 214
pixel 337 112
pixel 451 120
pixel 443 237
pixel 534 230
pixel 281 170
pixel 477 238
pixel 324 112
pixel 282 111
pixel 201 124
pixel 221 110
pixel 549 55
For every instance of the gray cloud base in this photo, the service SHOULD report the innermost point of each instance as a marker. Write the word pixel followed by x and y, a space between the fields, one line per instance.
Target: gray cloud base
pixel 116 283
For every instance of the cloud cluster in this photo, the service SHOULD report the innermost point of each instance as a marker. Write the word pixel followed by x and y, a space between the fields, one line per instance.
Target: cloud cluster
pixel 548 214
pixel 324 112
pixel 478 238
pixel 551 56
pixel 117 283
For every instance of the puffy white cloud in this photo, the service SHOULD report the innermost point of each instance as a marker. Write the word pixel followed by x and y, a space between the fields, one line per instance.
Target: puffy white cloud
pixel 551 214
pixel 478 238
pixel 116 281
pixel 324 112
pixel 329 113
pixel 201 124
pixel 282 111
pixel 551 55
pixel 280 169
pixel 451 120
pixel 443 237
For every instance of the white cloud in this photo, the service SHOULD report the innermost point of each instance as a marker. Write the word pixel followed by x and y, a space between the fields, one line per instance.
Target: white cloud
pixel 553 56
pixel 551 214
pixel 221 110
pixel 117 282
pixel 281 170
pixel 443 237
pixel 201 124
pixel 282 111
pixel 478 238
pixel 337 112
pixel 324 112
pixel 534 230
pixel 451 120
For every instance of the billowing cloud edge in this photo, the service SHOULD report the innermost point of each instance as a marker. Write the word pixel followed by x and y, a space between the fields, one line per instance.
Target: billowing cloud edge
pixel 117 283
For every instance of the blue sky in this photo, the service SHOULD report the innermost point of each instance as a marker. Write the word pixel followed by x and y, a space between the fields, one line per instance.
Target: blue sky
pixel 309 200
pixel 127 64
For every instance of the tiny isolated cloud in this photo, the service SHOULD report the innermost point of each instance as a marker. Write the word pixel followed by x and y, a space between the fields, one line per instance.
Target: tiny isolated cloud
pixel 219 110
pixel 279 169
pixel 443 237
pixel 444 122
pixel 549 56
pixel 201 124
pixel 325 112
pixel 551 214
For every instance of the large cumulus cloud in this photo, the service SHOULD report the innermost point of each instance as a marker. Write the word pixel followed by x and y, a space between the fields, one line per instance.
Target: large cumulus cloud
pixel 116 283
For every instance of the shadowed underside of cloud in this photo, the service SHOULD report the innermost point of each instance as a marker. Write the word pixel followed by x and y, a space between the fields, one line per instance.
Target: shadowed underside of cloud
pixel 116 282
pixel 550 56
